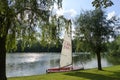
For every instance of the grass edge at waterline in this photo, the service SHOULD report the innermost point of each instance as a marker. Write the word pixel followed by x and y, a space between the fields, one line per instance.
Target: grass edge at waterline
pixel 108 73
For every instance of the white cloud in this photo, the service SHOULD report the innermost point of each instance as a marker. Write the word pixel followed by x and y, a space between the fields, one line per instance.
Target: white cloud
pixel 56 11
pixel 60 12
pixel 69 14
pixel 111 14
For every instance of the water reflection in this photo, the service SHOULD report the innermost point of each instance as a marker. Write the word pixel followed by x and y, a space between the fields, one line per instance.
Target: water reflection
pixel 36 63
pixel 26 64
pixel 115 60
pixel 84 58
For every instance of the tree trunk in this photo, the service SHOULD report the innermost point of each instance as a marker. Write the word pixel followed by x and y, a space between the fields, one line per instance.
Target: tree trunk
pixel 3 58
pixel 99 61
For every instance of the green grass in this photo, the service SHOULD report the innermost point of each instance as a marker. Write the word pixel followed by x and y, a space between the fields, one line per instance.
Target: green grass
pixel 108 73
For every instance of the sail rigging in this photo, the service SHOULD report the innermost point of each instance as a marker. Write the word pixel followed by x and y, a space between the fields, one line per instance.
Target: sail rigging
pixel 66 52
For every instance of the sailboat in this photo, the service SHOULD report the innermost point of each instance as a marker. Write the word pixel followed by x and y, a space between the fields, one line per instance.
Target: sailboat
pixel 66 61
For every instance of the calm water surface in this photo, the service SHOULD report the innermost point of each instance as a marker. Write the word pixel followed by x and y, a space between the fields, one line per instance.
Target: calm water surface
pixel 25 64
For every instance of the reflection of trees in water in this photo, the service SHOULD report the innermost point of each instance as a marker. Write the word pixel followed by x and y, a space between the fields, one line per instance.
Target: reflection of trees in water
pixel 77 59
pixel 115 60
pixel 54 62
pixel 82 58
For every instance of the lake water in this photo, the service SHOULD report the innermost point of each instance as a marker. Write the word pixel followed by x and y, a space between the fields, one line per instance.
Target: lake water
pixel 25 64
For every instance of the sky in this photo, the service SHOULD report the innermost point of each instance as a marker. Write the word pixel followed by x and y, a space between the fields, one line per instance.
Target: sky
pixel 72 8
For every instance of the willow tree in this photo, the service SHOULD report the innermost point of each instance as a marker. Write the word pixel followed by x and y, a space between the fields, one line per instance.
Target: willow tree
pixel 20 20
pixel 93 30
pixel 51 33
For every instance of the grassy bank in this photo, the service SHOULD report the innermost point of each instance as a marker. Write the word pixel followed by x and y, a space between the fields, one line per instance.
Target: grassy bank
pixel 108 73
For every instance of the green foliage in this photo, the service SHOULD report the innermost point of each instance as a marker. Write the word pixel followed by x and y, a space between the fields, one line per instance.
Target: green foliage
pixel 104 3
pixel 22 20
pixel 51 32
pixel 38 47
pixel 114 47
pixel 93 30
pixel 115 60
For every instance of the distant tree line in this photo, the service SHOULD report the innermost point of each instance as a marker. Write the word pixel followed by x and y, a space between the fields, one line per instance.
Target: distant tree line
pixel 38 47
pixel 114 47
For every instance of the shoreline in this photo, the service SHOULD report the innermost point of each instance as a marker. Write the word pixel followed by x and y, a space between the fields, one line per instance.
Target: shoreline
pixel 108 73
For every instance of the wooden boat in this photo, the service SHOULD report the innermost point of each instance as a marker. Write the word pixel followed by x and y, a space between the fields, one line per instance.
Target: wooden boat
pixel 66 63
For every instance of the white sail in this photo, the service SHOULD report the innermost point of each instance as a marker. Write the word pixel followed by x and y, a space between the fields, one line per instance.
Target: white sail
pixel 66 53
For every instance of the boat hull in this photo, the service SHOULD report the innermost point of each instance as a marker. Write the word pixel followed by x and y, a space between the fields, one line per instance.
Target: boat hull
pixel 65 69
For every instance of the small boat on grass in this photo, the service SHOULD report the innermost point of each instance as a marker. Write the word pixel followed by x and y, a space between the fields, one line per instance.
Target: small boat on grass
pixel 66 60
pixel 64 69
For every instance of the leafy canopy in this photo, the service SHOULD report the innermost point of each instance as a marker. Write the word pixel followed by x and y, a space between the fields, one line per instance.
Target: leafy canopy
pixel 23 19
pixel 93 30
pixel 104 3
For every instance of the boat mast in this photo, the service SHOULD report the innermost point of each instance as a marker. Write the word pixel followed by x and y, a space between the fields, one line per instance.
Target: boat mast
pixel 66 52
pixel 70 32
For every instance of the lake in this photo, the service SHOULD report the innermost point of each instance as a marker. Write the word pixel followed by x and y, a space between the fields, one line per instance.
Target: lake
pixel 26 64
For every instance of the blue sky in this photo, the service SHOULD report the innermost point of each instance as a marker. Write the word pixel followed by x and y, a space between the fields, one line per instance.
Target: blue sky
pixel 71 8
